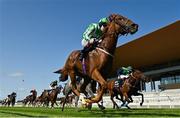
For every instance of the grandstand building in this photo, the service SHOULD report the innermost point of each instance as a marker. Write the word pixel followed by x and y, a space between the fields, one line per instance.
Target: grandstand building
pixel 157 54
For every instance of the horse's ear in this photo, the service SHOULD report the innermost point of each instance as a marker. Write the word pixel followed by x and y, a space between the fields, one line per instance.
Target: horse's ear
pixel 112 17
pixel 58 71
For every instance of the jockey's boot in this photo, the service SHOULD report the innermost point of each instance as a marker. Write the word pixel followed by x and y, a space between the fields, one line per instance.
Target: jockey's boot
pixel 84 52
pixel 81 55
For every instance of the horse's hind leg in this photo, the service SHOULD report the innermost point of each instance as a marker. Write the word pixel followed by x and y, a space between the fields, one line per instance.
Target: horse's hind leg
pixel 73 83
pixel 138 94
pixel 142 99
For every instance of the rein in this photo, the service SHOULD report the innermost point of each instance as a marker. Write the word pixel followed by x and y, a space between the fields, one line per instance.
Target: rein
pixel 132 76
pixel 134 86
pixel 126 28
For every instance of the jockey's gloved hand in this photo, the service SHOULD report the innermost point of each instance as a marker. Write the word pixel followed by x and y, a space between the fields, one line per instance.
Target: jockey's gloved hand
pixel 96 40
pixel 91 41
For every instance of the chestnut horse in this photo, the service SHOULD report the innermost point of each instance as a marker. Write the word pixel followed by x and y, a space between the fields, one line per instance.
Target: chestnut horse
pixel 99 61
pixel 128 88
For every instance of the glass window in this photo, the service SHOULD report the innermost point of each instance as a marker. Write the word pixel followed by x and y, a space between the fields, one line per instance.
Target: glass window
pixel 178 79
pixel 168 80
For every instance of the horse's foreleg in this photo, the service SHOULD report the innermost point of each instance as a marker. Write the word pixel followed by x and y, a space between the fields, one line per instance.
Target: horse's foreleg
pixel 126 100
pixel 98 77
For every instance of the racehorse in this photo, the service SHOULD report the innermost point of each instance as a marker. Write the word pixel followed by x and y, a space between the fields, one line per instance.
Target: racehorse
pixel 30 98
pixel 43 99
pixel 26 100
pixel 11 99
pixel 128 88
pixel 69 100
pixel 99 61
pixel 53 95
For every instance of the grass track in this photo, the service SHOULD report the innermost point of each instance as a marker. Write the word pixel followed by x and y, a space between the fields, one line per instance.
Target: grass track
pixel 71 112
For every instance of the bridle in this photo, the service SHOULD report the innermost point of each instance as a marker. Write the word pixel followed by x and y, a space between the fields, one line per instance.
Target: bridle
pixel 132 75
pixel 135 78
pixel 125 27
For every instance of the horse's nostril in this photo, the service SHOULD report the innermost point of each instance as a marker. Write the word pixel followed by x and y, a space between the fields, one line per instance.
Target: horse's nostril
pixel 135 25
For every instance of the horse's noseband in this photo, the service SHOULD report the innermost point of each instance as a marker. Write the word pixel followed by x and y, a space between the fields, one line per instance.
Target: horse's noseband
pixel 126 28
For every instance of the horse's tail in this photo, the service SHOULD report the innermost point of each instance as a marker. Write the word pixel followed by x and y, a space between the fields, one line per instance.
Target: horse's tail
pixel 64 74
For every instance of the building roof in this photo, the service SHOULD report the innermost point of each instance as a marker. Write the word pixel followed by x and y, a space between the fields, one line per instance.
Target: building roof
pixel 160 46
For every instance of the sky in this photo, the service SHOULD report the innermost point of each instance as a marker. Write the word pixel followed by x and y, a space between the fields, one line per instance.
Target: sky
pixel 36 36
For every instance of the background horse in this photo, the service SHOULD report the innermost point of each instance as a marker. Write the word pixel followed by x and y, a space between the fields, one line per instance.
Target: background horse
pixel 52 96
pixel 69 100
pixel 128 88
pixel 30 99
pixel 11 99
pixel 99 61
pixel 43 99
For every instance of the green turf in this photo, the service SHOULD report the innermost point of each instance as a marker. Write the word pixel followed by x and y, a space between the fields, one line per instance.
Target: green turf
pixel 95 112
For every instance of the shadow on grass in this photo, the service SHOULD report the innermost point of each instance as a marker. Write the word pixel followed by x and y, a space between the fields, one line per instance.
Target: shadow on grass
pixel 134 113
pixel 20 114
pixel 130 113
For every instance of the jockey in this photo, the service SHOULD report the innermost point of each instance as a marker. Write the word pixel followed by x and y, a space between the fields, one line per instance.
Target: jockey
pixel 32 91
pixel 92 36
pixel 123 73
pixel 54 84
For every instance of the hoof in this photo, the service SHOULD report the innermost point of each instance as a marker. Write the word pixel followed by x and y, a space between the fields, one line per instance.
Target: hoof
pixel 101 107
pixel 128 107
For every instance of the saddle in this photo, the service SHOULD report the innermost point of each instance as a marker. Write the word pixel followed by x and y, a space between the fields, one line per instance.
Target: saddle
pixel 118 83
pixel 84 52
